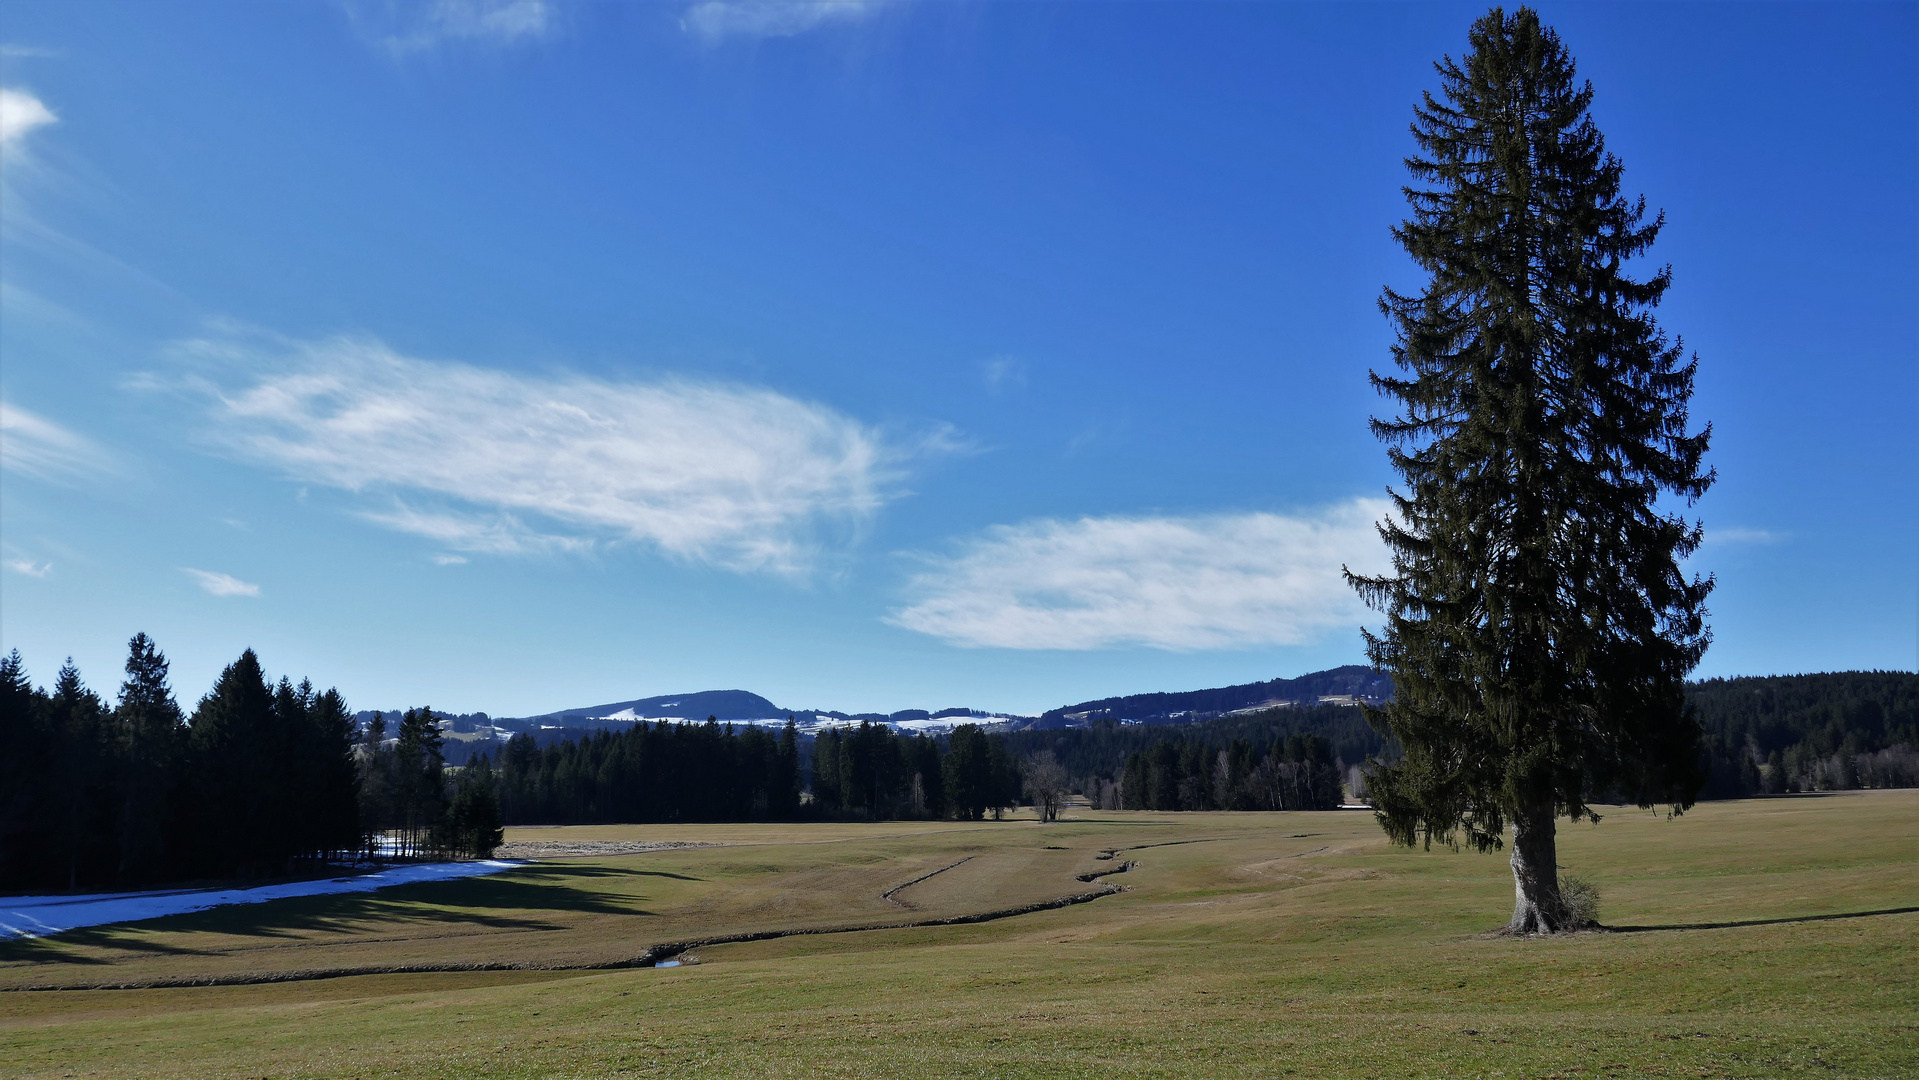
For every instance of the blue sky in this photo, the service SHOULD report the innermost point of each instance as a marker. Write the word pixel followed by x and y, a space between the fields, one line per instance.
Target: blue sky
pixel 513 356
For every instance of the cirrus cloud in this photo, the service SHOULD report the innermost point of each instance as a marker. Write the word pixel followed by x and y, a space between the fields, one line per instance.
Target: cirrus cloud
pixel 713 21
pixel 219 584
pixel 413 28
pixel 34 446
pixel 1174 583
pixel 488 461
pixel 1739 534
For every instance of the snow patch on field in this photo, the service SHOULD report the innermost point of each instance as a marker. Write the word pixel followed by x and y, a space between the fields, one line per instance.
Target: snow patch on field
pixel 39 916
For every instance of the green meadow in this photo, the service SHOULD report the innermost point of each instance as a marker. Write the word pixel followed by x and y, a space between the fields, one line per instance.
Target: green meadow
pixel 1767 937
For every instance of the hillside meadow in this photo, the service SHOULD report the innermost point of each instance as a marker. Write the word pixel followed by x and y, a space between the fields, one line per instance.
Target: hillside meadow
pixel 1745 943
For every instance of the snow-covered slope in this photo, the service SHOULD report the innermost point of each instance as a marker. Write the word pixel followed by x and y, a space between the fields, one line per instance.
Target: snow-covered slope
pixel 38 916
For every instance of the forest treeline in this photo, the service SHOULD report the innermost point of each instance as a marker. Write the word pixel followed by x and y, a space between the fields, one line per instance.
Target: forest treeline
pixel 873 771
pixel 261 777
pixel 648 772
pixel 1760 735
pixel 1298 772
pixel 1826 732
pixel 138 792
pixel 716 772
pixel 1274 759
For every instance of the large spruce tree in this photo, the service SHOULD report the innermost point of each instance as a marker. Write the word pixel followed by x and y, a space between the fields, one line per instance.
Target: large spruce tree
pixel 29 774
pixel 153 733
pixel 421 777
pixel 237 789
pixel 87 765
pixel 1538 623
pixel 333 784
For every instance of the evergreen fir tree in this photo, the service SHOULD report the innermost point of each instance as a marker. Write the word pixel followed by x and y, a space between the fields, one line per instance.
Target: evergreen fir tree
pixel 471 824
pixel 377 769
pixel 421 783
pixel 336 809
pixel 28 791
pixel 292 763
pixel 923 767
pixel 1162 777
pixel 1135 782
pixel 1539 626
pixel 785 798
pixel 968 772
pixel 86 764
pixel 152 731
pixel 1003 781
pixel 826 770
pixel 235 743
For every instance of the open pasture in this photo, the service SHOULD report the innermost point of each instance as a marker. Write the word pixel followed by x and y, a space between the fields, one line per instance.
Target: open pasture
pixel 1243 945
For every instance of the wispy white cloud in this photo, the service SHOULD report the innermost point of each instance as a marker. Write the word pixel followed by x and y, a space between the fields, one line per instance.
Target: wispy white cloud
pixel 716 20
pixel 497 532
pixel 21 112
pixel 412 28
pixel 1735 534
pixel 12 51
pixel 30 175
pixel 29 567
pixel 488 461
pixel 449 560
pixel 1001 372
pixel 220 584
pixel 35 446
pixel 1175 583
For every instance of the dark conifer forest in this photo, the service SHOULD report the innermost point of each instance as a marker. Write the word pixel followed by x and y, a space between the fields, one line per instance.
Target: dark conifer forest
pixel 649 772
pixel 1274 759
pixel 263 779
pixel 260 777
pixel 716 772
pixel 1826 732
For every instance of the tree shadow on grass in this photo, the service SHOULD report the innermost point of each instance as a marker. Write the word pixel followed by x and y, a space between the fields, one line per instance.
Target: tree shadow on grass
pixel 476 901
pixel 1760 922
pixel 60 950
pixel 484 901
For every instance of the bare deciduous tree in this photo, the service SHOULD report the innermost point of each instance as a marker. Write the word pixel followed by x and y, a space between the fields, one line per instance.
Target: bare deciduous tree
pixel 1045 783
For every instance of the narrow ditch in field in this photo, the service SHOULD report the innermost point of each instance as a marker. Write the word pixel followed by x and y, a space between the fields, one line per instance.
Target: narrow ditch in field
pixel 662 955
pixel 669 954
pixel 1119 869
pixel 666 954
pixel 889 894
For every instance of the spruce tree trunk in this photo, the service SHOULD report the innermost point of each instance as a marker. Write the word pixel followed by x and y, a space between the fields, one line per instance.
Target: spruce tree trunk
pixel 1537 907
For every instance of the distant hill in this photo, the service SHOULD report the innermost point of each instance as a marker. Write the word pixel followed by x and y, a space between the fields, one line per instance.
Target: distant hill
pixel 459 721
pixel 1340 686
pixel 733 705
pixel 1348 685
pixel 739 707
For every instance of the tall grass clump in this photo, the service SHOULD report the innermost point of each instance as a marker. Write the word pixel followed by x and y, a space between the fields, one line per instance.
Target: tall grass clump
pixel 1580 898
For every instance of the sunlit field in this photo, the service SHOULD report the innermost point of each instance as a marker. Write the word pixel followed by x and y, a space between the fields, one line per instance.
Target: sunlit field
pixel 1768 937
